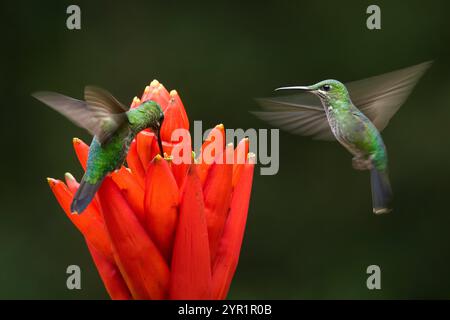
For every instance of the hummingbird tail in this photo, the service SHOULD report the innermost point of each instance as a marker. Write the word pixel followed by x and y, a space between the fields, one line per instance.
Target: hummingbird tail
pixel 381 191
pixel 84 196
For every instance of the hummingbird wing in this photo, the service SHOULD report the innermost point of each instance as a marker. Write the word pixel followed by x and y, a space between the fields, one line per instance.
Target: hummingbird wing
pixel 299 114
pixel 101 114
pixel 380 97
pixel 109 113
pixel 377 97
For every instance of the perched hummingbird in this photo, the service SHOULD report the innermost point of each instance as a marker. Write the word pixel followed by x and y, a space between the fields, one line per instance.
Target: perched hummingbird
pixel 114 128
pixel 354 115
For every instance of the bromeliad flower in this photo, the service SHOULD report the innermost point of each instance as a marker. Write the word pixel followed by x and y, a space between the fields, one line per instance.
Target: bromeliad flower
pixel 166 228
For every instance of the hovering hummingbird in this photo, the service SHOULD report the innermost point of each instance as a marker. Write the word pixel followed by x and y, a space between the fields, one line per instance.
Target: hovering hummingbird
pixel 353 114
pixel 114 128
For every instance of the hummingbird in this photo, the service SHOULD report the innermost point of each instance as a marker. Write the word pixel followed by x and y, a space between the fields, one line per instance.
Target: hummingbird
pixel 353 114
pixel 113 126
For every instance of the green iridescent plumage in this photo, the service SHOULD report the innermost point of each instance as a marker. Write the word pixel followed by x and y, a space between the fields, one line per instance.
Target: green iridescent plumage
pixel 353 114
pixel 104 158
pixel 114 128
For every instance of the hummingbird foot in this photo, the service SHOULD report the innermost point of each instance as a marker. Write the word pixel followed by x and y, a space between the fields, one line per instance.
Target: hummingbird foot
pixel 361 163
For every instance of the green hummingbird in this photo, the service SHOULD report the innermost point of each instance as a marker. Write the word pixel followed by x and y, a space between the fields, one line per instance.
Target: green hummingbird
pixel 353 114
pixel 113 126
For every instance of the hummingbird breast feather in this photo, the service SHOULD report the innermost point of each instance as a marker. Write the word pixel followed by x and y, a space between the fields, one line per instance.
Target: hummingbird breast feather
pixel 103 159
pixel 355 132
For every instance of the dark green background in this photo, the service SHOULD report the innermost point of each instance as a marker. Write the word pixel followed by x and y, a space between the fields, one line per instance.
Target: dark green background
pixel 310 232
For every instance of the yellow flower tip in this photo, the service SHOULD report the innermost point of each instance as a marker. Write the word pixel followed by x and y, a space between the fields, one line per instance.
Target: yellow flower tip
pixel 76 140
pixel 74 212
pixel 230 145
pixel 147 89
pixel 220 126
pixel 154 83
pixel 51 182
pixel 194 157
pixel 128 169
pixel 157 158
pixel 136 100
pixel 69 176
pixel 173 93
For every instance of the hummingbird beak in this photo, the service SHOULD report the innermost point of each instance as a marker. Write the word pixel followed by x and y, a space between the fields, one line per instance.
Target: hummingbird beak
pixel 158 136
pixel 295 88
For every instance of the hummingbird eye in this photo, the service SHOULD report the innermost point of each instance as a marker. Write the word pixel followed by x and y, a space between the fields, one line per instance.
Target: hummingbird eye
pixel 326 87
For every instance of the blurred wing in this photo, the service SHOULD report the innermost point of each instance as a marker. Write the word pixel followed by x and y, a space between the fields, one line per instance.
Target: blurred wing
pixel 108 112
pixel 99 116
pixel 298 114
pixel 75 110
pixel 100 99
pixel 381 96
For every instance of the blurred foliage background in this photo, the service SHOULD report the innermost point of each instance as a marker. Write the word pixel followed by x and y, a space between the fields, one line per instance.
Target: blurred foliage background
pixel 310 233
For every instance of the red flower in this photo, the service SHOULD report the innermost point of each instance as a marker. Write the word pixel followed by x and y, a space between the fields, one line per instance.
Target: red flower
pixel 160 229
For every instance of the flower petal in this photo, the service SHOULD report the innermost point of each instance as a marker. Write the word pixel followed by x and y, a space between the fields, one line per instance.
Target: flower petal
pixel 167 147
pixel 135 164
pixel 149 90
pixel 89 223
pixel 161 204
pixel 156 92
pixel 71 182
pixel 147 147
pixel 144 269
pixel 162 96
pixel 179 172
pixel 213 143
pixel 135 103
pixel 240 157
pixel 146 93
pixel 181 158
pixel 81 150
pixel 217 195
pixel 131 190
pixel 191 268
pixel 230 244
pixel 174 118
pixel 110 274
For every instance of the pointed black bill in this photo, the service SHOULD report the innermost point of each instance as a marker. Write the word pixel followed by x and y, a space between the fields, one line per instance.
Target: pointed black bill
pixel 158 135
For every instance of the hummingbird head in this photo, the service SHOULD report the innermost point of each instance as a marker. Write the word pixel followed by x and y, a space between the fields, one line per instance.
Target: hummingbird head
pixel 326 90
pixel 149 115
